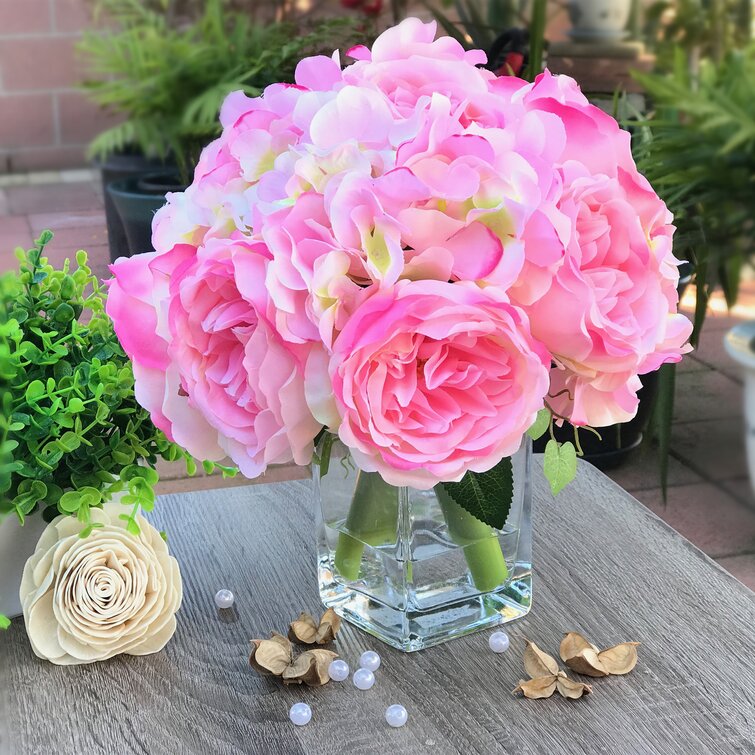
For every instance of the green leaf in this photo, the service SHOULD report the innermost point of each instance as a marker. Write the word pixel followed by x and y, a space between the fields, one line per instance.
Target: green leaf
pixel 541 424
pixel 4 622
pixel 486 495
pixel 559 464
pixel 327 445
pixel 35 390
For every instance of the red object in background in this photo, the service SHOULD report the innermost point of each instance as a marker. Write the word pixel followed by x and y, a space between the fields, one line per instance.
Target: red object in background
pixel 512 65
pixel 351 3
pixel 373 7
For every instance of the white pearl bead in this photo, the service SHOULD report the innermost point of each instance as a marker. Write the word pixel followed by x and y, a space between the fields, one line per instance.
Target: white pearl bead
pixel 369 660
pixel 363 678
pixel 499 642
pixel 224 598
pixel 300 714
pixel 396 715
pixel 338 670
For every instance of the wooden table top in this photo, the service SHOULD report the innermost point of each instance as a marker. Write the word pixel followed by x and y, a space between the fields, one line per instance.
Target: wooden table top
pixel 604 566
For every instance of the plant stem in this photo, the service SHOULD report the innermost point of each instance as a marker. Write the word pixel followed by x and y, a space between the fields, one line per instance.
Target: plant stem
pixel 372 520
pixel 482 551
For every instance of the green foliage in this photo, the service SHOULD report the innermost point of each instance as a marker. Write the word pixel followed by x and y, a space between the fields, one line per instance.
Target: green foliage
pixel 698 151
pixel 169 80
pixel 541 425
pixel 486 495
pixel 71 432
pixel 559 464
pixel 4 622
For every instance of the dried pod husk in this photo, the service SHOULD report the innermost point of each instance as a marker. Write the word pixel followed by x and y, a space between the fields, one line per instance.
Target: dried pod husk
pixel 620 659
pixel 303 630
pixel 587 662
pixel 330 623
pixel 537 688
pixel 310 668
pixel 569 688
pixel 538 663
pixel 271 657
pixel 574 643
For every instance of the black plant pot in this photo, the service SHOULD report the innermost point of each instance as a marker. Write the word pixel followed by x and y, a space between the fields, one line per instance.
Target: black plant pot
pixel 136 200
pixel 618 441
pixel 117 166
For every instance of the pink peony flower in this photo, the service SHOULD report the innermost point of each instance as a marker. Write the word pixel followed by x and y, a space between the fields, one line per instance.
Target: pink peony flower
pixel 432 379
pixel 219 380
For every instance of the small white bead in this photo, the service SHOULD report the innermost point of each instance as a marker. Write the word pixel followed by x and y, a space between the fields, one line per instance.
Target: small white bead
pixel 363 678
pixel 338 670
pixel 224 598
pixel 396 715
pixel 369 660
pixel 499 642
pixel 300 714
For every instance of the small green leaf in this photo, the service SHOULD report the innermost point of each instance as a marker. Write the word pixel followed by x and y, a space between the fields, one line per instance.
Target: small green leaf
pixel 541 424
pixel 35 390
pixel 4 622
pixel 486 495
pixel 559 464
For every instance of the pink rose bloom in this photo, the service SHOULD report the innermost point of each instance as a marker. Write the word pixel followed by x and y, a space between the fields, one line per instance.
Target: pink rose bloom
pixel 609 314
pixel 221 366
pixel 432 379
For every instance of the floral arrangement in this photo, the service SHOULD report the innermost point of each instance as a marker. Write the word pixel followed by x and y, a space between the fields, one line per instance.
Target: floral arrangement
pixel 410 253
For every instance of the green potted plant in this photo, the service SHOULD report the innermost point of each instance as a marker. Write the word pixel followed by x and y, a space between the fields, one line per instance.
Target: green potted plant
pixel 72 435
pixel 167 81
pixel 698 149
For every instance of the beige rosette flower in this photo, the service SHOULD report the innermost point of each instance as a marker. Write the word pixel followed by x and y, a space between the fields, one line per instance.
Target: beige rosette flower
pixel 89 599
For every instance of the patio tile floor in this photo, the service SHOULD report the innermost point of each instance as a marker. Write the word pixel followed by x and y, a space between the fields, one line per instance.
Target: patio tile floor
pixel 710 500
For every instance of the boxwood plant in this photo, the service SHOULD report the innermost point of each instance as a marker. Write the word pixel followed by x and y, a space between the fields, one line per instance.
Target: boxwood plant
pixel 71 432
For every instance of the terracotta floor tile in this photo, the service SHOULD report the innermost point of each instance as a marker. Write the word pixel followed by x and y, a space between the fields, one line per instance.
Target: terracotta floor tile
pixel 63 197
pixel 79 229
pixel 713 448
pixel 741 567
pixel 706 395
pixel 741 490
pixel 707 516
pixel 641 471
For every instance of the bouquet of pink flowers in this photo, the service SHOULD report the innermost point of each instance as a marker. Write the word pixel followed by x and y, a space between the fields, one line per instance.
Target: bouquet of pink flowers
pixel 408 252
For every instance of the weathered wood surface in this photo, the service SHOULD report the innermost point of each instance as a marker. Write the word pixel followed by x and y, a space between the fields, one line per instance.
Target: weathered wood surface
pixel 604 565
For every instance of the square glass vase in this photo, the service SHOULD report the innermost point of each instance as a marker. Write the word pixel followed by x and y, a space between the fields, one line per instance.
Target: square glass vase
pixel 411 567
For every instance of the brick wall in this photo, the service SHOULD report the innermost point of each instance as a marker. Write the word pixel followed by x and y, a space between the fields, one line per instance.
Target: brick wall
pixel 45 123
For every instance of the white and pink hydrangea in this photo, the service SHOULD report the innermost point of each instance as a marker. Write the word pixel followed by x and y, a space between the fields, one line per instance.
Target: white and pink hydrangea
pixel 408 251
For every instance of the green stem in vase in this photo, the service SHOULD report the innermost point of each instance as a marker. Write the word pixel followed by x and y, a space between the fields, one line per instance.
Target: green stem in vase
pixel 372 520
pixel 482 550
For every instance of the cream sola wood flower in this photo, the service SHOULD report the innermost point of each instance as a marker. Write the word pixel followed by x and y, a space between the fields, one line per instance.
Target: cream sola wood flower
pixel 89 599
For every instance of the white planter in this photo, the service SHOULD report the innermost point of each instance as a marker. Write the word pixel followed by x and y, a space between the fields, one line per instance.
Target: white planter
pixel 740 343
pixel 17 543
pixel 599 20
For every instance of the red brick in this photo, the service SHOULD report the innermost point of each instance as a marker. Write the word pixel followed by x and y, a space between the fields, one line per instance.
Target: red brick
pixel 35 199
pixel 72 15
pixel 24 16
pixel 39 63
pixel 47 158
pixel 81 119
pixel 707 516
pixel 27 120
pixel 79 229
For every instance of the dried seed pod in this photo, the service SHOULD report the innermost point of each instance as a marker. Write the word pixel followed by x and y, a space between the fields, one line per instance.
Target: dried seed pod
pixel 538 663
pixel 537 688
pixel 569 688
pixel 330 623
pixel 587 662
pixel 303 630
pixel 574 643
pixel 310 668
pixel 620 659
pixel 271 657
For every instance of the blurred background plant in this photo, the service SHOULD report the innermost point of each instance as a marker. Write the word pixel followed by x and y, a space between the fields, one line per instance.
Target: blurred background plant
pixel 167 72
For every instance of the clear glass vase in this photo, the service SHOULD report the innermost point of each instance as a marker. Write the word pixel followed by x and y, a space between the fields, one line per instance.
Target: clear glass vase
pixel 413 568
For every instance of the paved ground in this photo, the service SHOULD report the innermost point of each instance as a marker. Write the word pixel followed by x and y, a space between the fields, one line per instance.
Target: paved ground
pixel 710 500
